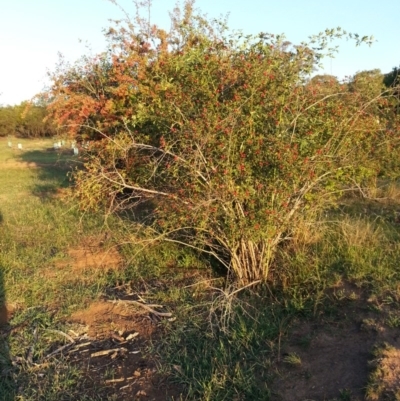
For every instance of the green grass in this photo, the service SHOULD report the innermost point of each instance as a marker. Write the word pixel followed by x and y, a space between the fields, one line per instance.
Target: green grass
pixel 217 361
pixel 36 228
pixel 221 346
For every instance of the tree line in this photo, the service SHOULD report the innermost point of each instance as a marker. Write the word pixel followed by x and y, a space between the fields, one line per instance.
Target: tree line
pixel 26 120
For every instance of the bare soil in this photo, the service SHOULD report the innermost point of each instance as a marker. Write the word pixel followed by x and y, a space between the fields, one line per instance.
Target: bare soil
pixel 6 313
pixel 105 318
pixel 385 383
pixel 91 254
pixel 335 353
pixel 134 373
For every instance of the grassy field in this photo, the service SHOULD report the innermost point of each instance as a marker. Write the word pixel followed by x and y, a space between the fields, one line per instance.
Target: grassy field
pixel 88 315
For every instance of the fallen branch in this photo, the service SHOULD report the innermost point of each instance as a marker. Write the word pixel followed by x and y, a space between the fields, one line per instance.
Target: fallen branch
pixel 115 380
pixel 108 352
pixel 125 387
pixel 148 307
pixel 79 346
pixel 131 336
pixel 118 338
pixel 58 350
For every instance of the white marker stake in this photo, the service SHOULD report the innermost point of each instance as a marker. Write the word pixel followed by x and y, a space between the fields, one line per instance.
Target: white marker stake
pixel 19 146
pixel 9 144
pixel 76 151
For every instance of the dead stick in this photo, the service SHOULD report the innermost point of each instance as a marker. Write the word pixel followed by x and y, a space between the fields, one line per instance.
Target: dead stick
pixel 108 351
pixel 79 346
pixel 148 308
pixel 115 380
pixel 58 350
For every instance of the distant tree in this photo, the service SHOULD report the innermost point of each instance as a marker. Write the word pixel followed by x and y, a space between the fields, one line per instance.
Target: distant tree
pixel 392 78
pixel 392 82
pixel 325 84
pixel 33 121
pixel 324 79
pixel 8 121
pixel 368 83
pixel 26 120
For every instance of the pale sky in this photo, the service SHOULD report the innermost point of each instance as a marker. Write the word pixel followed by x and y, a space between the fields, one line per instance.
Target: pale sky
pixel 32 32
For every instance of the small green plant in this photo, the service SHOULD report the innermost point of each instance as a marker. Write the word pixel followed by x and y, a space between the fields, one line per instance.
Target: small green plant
pixel 393 320
pixel 292 359
pixel 345 395
pixel 370 324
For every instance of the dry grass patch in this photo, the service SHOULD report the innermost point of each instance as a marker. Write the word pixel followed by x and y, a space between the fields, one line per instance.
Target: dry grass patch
pixel 92 254
pixel 14 164
pixel 361 233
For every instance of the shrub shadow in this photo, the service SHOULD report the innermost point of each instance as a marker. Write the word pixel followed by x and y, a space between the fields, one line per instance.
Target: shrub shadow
pixel 52 170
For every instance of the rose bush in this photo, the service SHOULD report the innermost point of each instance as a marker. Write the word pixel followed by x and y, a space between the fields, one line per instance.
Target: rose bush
pixel 225 136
